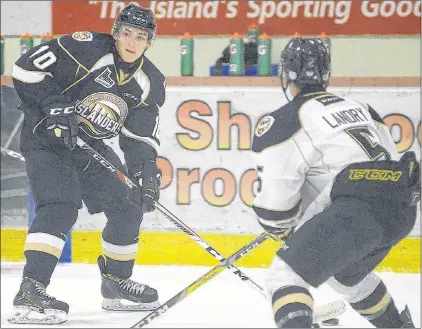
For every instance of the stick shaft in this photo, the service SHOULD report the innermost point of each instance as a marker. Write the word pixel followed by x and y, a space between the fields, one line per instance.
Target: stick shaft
pixel 176 221
pixel 323 313
pixel 200 281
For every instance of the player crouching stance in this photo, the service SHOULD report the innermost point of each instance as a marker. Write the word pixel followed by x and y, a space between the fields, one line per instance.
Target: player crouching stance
pixel 94 86
pixel 329 167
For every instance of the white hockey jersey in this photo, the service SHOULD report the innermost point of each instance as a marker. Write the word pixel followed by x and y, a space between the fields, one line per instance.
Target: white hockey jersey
pixel 301 147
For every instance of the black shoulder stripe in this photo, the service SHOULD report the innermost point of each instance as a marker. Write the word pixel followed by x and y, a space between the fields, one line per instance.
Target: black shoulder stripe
pixel 375 116
pixel 278 133
pixel 285 124
pixel 86 53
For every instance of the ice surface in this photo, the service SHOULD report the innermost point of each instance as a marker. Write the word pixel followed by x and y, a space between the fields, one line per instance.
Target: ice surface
pixel 225 301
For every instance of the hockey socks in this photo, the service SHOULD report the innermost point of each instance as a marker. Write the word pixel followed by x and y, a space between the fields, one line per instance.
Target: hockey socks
pixel 293 307
pixel 379 308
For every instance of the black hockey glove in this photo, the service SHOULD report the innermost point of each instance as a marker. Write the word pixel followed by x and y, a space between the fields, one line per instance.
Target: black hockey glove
pixel 149 180
pixel 61 120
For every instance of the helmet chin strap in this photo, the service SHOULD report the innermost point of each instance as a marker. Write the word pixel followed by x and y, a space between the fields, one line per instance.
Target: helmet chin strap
pixel 285 93
pixel 283 78
pixel 285 88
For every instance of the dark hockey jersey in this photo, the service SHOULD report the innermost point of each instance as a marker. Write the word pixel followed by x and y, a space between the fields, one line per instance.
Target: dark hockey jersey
pixel 112 97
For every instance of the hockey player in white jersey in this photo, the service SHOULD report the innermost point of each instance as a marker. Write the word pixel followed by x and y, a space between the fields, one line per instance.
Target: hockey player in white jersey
pixel 334 187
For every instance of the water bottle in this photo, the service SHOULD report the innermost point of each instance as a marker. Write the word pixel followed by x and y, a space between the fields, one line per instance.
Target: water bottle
pixel 186 52
pixel 237 55
pixel 26 43
pixel 264 55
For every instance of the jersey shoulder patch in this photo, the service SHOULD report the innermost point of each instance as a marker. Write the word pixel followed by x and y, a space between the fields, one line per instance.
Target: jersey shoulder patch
pixel 277 127
pixel 83 36
pixel 264 125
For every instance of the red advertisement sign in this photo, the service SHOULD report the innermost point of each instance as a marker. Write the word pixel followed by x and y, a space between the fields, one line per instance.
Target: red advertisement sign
pixel 276 17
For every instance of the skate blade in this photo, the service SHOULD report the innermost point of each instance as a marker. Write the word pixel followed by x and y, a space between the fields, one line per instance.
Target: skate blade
pixel 28 315
pixel 125 305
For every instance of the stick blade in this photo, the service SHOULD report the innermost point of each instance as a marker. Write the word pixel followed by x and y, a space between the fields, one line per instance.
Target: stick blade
pixel 329 311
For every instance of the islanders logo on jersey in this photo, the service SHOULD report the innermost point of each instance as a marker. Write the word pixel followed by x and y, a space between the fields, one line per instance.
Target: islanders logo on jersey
pixel 101 115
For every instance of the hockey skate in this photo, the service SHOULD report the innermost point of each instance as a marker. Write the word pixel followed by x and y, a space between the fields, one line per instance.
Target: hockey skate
pixel 406 319
pixel 32 305
pixel 124 294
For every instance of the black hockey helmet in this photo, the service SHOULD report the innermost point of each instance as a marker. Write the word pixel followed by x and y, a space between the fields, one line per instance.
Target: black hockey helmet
pixel 136 16
pixel 305 62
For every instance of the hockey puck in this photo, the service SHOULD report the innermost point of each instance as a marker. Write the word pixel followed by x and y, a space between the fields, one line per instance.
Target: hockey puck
pixel 331 322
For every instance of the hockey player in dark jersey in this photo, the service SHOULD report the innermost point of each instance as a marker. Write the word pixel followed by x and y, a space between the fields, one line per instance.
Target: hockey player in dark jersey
pixel 335 188
pixel 95 86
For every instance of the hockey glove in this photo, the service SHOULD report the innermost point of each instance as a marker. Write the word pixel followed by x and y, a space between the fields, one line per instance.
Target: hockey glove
pixel 148 192
pixel 61 120
pixel 278 233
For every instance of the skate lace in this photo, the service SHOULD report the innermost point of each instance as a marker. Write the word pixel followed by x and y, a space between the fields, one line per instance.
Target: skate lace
pixel 41 290
pixel 132 286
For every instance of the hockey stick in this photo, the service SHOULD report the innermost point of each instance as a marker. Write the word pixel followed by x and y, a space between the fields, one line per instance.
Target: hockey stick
pixel 11 153
pixel 332 310
pixel 15 130
pixel 176 221
pixel 323 313
pixel 201 281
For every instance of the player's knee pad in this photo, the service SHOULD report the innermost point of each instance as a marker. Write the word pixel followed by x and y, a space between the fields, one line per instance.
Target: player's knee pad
pixel 123 225
pixel 291 300
pixel 54 218
pixel 48 231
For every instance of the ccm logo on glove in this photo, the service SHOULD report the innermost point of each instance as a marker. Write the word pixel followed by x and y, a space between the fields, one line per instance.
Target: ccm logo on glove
pixel 61 120
pixel 59 111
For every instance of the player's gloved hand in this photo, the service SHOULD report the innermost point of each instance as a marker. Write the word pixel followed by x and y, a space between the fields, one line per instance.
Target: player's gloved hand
pixel 149 179
pixel 282 234
pixel 278 233
pixel 61 119
pixel 411 165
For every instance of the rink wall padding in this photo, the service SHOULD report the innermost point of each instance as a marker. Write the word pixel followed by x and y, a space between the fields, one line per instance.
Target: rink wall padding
pixel 168 248
pixel 220 156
